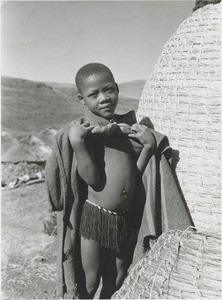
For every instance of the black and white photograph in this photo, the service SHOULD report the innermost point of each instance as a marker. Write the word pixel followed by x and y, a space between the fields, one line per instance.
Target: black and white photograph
pixel 111 149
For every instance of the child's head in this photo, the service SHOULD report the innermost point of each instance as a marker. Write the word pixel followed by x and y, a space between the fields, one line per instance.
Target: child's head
pixel 97 89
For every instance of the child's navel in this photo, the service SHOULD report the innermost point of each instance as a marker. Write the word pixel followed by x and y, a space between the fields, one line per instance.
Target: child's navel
pixel 124 192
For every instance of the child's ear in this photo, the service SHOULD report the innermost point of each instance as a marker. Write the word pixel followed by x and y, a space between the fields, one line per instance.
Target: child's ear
pixel 117 87
pixel 80 97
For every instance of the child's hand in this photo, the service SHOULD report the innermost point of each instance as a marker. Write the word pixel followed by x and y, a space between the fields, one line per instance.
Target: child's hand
pixel 104 131
pixel 78 132
pixel 144 135
pixel 125 128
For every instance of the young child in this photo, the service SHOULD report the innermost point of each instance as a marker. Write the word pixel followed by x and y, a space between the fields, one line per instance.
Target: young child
pixel 109 168
pixel 95 183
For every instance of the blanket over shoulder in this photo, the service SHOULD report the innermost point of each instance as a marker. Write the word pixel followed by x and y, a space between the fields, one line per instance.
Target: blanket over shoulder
pixel 159 200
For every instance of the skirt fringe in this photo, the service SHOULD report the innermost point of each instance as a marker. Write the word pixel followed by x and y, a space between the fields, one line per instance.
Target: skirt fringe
pixel 110 230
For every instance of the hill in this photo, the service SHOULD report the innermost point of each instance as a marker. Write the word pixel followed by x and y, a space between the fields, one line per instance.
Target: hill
pixel 132 89
pixel 30 106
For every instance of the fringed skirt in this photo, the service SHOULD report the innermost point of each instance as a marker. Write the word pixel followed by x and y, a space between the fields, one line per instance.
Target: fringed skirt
pixel 110 229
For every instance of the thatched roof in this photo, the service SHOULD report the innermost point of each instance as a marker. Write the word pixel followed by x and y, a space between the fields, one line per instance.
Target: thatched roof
pixel 30 149
pixel 7 141
pixel 47 136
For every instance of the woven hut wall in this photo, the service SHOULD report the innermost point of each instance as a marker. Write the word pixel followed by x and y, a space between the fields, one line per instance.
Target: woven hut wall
pixel 182 98
pixel 180 265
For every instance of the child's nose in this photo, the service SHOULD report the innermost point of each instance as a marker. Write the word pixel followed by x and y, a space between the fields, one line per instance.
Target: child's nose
pixel 104 97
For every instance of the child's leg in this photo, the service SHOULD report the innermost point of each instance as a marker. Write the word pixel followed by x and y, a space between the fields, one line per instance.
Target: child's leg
pixel 114 270
pixel 109 274
pixel 91 262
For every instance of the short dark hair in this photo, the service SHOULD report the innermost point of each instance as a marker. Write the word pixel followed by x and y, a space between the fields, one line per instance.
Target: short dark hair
pixel 91 69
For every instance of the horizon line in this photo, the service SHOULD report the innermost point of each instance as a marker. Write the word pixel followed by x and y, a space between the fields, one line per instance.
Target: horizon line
pixel 61 82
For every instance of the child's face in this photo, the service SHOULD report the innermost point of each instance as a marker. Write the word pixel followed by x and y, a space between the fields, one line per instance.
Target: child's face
pixel 100 94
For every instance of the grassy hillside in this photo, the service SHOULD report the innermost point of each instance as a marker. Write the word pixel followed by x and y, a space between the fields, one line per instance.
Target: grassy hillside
pixel 29 106
pixel 132 89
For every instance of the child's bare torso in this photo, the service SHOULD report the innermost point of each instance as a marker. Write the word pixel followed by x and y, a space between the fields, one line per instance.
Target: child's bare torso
pixel 117 170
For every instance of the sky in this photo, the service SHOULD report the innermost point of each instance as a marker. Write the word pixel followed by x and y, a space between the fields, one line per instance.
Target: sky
pixel 51 40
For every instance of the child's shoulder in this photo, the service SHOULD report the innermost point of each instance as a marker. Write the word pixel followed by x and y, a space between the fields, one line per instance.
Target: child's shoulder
pixel 65 129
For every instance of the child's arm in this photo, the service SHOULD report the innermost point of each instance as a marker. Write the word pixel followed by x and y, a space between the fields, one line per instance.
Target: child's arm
pixel 144 135
pixel 87 168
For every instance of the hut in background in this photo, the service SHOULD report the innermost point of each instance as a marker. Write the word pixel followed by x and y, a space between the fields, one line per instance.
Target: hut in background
pixel 29 149
pixel 7 141
pixel 25 156
pixel 47 136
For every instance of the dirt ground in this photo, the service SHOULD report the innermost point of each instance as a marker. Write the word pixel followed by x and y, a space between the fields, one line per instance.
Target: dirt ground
pixel 28 253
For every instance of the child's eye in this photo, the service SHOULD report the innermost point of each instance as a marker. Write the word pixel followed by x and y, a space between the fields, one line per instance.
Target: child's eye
pixel 110 89
pixel 92 96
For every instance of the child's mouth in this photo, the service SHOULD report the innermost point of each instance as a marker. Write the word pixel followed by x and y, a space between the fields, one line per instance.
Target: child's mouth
pixel 106 107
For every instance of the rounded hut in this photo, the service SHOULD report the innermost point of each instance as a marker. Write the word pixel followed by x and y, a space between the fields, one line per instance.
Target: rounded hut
pixel 182 98
pixel 21 157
